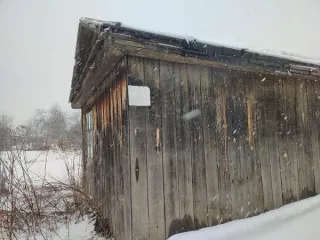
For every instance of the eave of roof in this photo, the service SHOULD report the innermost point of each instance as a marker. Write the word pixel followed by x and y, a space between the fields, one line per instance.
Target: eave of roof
pixel 194 46
pixel 130 41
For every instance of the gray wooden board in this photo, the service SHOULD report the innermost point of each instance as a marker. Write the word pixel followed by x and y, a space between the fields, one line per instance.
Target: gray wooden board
pixel 272 115
pixel 139 178
pixel 220 93
pixel 302 168
pixel 198 160
pixel 249 148
pixel 154 152
pixel 280 88
pixel 210 145
pixel 170 168
pixel 243 148
pixel 291 137
pixel 183 147
pixel 308 142
pixel 258 196
pixel 313 89
pixel 233 146
pixel 126 155
pixel 111 168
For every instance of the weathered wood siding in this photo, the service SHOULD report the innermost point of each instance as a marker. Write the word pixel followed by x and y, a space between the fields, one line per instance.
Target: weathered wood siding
pixel 254 147
pixel 107 176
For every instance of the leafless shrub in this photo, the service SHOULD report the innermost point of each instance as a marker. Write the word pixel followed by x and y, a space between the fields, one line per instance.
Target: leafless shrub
pixel 36 209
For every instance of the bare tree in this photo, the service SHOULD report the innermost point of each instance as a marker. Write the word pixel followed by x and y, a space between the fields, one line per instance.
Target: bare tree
pixel 52 127
pixel 6 125
pixel 74 132
pixel 56 124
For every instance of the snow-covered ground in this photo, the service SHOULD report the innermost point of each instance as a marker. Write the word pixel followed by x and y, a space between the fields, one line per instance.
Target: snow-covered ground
pixel 82 229
pixel 295 221
pixel 51 165
pixel 42 178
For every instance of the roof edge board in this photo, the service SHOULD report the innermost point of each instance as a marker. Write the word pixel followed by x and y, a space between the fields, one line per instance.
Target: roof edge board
pixel 127 41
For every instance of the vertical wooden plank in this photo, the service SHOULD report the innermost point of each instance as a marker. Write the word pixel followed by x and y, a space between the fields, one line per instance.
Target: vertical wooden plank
pixel 117 158
pixel 95 153
pixel 220 92
pixel 183 148
pixel 107 168
pixel 306 163
pixel 120 77
pixel 291 137
pixel 154 152
pixel 281 135
pixel 84 150
pixel 169 157
pixel 115 137
pixel 111 207
pixel 308 145
pixel 210 146
pixel 249 147
pixel 302 171
pixel 102 173
pixel 313 89
pixel 263 147
pixel 198 161
pixel 272 116
pixel 243 148
pixel 104 163
pixel 255 116
pixel 125 150
pixel 139 178
pixel 233 145
pixel 98 145
pixel 93 191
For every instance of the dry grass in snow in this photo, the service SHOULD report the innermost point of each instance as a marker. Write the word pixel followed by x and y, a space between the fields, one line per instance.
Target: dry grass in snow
pixel 41 198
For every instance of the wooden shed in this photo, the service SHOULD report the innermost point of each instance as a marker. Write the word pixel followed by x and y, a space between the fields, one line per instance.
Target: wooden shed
pixel 180 135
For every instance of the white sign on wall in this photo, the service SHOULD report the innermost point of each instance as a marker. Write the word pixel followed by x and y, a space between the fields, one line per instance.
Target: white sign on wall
pixel 139 96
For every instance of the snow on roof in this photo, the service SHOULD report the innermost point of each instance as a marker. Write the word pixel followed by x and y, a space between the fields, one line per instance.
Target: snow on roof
pixel 103 25
pixel 286 55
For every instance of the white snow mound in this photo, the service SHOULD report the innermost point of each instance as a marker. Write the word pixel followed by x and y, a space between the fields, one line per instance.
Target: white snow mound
pixel 296 221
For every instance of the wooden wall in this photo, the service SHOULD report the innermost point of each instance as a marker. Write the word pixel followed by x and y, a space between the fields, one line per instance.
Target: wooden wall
pixel 107 176
pixel 253 148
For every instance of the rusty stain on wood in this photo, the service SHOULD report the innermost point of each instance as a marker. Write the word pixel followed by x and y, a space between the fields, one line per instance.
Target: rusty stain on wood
pixel 250 124
pixel 157 139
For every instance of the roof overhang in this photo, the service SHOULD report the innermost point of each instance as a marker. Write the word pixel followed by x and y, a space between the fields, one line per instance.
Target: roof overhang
pixel 100 45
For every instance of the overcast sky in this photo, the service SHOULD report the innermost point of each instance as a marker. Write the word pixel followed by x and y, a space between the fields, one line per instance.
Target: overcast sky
pixel 37 37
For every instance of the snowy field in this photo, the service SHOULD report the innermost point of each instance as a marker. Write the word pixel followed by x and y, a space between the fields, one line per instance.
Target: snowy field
pixel 82 229
pixel 39 169
pixel 50 166
pixel 295 221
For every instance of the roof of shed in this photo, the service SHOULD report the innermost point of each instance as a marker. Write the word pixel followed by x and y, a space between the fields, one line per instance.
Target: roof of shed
pixel 124 40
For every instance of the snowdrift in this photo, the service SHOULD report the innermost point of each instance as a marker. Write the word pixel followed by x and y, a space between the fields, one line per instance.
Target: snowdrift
pixel 295 221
